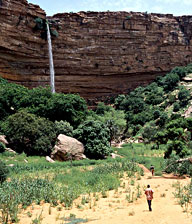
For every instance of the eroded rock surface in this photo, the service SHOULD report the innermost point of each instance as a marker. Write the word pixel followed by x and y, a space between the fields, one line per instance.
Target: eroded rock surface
pixel 97 54
pixel 68 148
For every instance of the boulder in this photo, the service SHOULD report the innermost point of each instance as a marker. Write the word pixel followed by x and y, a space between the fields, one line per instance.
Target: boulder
pixel 3 139
pixel 68 148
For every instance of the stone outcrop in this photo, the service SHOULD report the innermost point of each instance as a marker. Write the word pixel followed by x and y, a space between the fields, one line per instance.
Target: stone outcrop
pixel 97 54
pixel 68 148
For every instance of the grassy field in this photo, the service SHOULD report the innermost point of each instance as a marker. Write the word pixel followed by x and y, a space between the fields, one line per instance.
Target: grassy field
pixel 33 179
pixel 143 154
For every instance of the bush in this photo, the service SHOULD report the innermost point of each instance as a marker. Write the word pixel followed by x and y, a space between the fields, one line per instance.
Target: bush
pixel 29 133
pixel 102 108
pixel 180 71
pixel 71 108
pixel 10 97
pixel 39 24
pixel 63 127
pixel 2 147
pixel 170 81
pixel 176 107
pixel 184 96
pixel 3 172
pixel 156 114
pixel 149 132
pixel 95 137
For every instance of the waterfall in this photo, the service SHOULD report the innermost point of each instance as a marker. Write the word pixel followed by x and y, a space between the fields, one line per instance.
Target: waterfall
pixel 51 66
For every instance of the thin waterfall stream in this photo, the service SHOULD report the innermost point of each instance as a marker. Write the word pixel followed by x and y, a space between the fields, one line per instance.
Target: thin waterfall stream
pixel 51 65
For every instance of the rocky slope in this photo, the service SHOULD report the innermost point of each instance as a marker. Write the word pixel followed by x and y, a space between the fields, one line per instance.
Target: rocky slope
pixel 97 54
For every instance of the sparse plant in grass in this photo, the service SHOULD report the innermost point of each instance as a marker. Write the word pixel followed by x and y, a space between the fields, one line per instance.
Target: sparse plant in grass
pixel 85 200
pixel 184 195
pixel 131 213
pixel 123 185
pixel 138 177
pixel 104 194
pixel 96 197
pixel 132 182
pixel 79 206
pixel 163 195
pixel 59 208
pixel 38 219
pixel 29 214
pixel 139 191
pixel 57 217
pixel 50 210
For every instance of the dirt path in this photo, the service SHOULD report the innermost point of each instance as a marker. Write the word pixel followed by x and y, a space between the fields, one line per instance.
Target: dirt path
pixel 115 209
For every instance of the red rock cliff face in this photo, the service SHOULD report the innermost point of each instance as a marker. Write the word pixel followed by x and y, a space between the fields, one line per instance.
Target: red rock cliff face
pixel 96 54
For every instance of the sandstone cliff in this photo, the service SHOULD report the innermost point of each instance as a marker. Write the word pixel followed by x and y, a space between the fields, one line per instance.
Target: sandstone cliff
pixel 97 54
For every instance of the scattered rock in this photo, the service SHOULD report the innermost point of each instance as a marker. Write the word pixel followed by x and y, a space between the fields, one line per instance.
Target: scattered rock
pixel 10 150
pixel 68 148
pixel 114 155
pixel 49 159
pixel 25 161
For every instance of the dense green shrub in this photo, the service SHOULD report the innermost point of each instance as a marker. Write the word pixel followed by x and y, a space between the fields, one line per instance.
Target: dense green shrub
pixel 176 107
pixel 102 108
pixel 2 147
pixel 30 134
pixel 3 172
pixel 170 81
pixel 95 137
pixel 149 132
pixel 40 101
pixel 156 114
pixel 71 108
pixel 172 98
pixel 162 119
pixel 184 96
pixel 180 71
pixel 36 101
pixel 54 33
pixel 178 168
pixel 10 97
pixel 39 24
pixel 63 127
pixel 113 119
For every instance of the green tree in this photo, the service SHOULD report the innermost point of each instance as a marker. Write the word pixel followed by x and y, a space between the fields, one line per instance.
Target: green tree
pixel 184 96
pixel 71 108
pixel 170 81
pixel 95 137
pixel 114 120
pixel 176 107
pixel 10 97
pixel 30 134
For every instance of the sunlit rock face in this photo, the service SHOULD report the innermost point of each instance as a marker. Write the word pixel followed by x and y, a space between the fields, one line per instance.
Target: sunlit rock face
pixel 96 54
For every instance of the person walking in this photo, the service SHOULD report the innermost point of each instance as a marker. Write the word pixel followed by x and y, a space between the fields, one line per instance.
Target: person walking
pixel 149 195
pixel 152 169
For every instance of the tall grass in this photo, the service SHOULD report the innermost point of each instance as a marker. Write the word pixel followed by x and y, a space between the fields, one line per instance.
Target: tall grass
pixel 60 186
pixel 184 196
